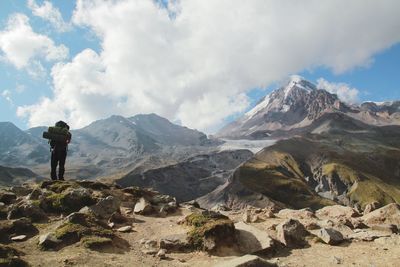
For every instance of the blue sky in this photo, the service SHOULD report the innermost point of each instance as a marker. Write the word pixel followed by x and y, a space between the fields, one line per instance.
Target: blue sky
pixel 376 76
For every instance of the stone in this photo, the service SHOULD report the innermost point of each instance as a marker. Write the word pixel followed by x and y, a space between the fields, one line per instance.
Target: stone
pixel 19 238
pixel 162 199
pixel 246 261
pixel 291 233
pixel 251 239
pixel 22 226
pixel 117 218
pixel 7 197
pixel 161 254
pixel 143 207
pixel 27 209
pixel 311 226
pixel 48 241
pixel 106 207
pixel 337 260
pixel 35 194
pixel 336 212
pixel 389 214
pixel 330 236
pixel 20 190
pixel 246 216
pixel 150 244
pixel 150 251
pixel 370 207
pixel 368 235
pixel 220 207
pixel 393 240
pixel 175 243
pixel 391 228
pixel 125 229
pixel 296 214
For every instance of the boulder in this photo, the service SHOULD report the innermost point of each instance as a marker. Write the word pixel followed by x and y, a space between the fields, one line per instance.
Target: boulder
pixel 336 212
pixel 210 231
pixel 70 200
pixel 7 197
pixel 296 214
pixel 106 207
pixel 389 214
pixel 330 236
pixel 370 207
pixel 175 243
pixel 251 239
pixel 27 209
pixel 48 241
pixel 246 261
pixel 143 207
pixel 291 233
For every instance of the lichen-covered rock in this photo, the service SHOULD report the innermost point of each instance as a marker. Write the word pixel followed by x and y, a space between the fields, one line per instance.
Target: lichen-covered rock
pixel 69 200
pixel 29 209
pixel 291 233
pixel 210 230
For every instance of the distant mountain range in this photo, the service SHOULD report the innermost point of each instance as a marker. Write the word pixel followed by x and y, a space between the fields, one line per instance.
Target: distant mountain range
pixel 105 146
pixel 297 105
pixel 319 151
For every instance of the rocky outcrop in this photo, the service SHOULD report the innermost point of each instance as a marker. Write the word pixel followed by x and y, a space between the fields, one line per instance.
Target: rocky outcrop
pixel 389 214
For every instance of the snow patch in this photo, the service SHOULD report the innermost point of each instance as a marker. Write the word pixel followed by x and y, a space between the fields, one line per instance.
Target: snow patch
pixel 252 145
pixel 263 104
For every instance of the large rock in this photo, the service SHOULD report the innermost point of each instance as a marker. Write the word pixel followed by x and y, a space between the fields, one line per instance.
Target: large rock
pixel 291 233
pixel 251 239
pixel 246 261
pixel 389 214
pixel 175 243
pixel 143 207
pixel 296 214
pixel 330 236
pixel 69 200
pixel 210 231
pixel 336 212
pixel 106 207
pixel 27 209
pixel 48 241
pixel 368 235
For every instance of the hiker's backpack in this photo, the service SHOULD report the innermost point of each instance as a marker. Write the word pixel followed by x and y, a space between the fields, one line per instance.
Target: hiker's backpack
pixel 57 133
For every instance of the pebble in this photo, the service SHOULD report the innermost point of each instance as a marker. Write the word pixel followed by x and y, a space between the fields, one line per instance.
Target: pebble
pixel 125 229
pixel 18 238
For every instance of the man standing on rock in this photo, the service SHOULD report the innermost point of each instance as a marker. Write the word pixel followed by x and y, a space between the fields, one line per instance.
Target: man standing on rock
pixel 59 150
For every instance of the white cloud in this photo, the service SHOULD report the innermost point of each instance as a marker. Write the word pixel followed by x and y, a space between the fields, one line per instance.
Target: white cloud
pixel 49 13
pixel 7 96
pixel 196 67
pixel 342 90
pixel 23 48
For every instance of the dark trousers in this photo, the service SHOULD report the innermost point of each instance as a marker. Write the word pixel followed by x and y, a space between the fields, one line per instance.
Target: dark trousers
pixel 58 157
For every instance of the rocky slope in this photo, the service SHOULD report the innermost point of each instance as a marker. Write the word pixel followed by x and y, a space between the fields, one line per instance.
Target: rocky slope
pixel 296 105
pixel 87 223
pixel 337 158
pixel 191 178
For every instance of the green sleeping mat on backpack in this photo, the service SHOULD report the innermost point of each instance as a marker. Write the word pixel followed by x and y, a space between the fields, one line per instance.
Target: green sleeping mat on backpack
pixel 58 130
pixel 55 137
